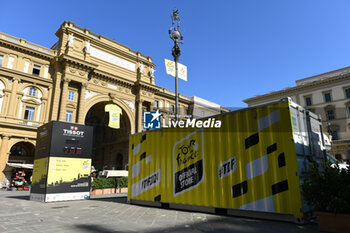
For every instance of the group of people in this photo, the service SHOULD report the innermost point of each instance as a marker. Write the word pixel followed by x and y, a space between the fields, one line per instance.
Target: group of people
pixel 20 181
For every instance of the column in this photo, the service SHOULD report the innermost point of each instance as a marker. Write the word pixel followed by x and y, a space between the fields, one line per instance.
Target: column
pixel 64 97
pixel 55 101
pixel 3 110
pixel 49 96
pixel 43 109
pixel 4 155
pixel 81 109
pixel 139 115
pixel 11 107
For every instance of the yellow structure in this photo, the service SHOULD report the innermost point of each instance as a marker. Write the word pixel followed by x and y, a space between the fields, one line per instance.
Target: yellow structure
pixel 249 163
pixel 73 81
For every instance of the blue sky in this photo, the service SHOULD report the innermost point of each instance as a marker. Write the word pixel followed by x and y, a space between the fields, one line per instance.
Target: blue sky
pixel 234 49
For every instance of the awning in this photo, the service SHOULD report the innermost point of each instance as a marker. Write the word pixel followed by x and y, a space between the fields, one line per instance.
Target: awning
pixel 21 165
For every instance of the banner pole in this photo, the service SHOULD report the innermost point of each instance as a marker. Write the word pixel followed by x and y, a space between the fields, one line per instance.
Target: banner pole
pixel 176 91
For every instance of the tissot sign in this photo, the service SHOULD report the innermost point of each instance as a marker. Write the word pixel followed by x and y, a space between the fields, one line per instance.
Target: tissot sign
pixel 64 140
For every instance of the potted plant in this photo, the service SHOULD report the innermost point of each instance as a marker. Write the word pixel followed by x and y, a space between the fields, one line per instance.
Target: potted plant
pixel 327 191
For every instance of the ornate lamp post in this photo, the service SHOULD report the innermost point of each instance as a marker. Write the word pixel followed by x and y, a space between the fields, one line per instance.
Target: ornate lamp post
pixel 175 35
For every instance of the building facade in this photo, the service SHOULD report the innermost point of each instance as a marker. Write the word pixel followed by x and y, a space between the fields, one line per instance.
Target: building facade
pixel 327 95
pixel 72 82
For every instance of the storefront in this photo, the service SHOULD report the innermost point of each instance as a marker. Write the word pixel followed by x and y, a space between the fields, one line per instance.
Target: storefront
pixel 17 176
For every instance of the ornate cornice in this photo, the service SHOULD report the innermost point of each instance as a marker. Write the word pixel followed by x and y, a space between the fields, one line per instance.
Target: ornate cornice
pixel 25 49
pixel 76 62
pixel 146 86
pixel 111 49
pixel 10 73
pixel 294 90
pixel 112 78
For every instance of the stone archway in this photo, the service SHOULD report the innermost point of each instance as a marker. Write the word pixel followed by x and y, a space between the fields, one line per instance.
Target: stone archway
pixel 22 152
pixel 110 146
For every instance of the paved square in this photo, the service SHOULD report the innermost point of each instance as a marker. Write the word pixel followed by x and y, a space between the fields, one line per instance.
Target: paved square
pixel 113 214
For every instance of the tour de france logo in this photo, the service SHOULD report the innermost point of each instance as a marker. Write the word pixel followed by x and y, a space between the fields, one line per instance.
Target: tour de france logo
pixel 188 164
pixel 151 120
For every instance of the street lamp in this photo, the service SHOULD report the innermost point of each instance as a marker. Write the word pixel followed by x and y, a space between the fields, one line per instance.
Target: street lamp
pixel 175 35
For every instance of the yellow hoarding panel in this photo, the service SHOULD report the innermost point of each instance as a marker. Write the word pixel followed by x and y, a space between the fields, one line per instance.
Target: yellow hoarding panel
pixel 68 175
pixel 249 163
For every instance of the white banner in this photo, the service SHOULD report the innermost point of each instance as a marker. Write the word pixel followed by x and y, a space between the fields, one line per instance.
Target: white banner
pixel 182 71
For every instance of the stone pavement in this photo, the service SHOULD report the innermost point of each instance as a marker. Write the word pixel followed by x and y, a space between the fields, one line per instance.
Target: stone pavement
pixel 113 214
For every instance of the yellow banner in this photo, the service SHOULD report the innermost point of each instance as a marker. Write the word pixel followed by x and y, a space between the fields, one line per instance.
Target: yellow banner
pixel 170 67
pixel 114 115
pixel 181 69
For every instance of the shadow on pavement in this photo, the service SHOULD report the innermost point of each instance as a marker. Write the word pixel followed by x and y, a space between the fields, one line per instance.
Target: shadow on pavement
pixel 94 228
pixel 121 200
pixel 20 197
pixel 221 225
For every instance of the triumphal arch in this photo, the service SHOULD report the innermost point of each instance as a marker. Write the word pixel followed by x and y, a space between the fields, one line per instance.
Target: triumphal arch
pixel 73 81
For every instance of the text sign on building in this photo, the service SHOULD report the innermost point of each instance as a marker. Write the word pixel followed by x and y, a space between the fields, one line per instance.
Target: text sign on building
pixel 111 58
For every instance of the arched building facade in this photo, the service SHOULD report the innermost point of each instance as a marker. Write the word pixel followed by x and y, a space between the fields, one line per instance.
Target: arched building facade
pixel 73 81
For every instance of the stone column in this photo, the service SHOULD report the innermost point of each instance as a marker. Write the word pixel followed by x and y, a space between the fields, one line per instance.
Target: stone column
pixel 12 104
pixel 7 94
pixel 4 155
pixel 139 115
pixel 81 109
pixel 49 96
pixel 43 109
pixel 55 101
pixel 64 97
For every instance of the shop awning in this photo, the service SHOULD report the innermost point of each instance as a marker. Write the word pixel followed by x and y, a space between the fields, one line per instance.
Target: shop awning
pixel 21 165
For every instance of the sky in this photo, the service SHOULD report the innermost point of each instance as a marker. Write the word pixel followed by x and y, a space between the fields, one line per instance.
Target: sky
pixel 234 49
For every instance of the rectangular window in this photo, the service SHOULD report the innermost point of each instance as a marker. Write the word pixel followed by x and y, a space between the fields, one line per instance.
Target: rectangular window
pixel 71 95
pixel 36 70
pixel 69 115
pixel 156 104
pixel 308 101
pixel 29 113
pixel 1 59
pixel 32 91
pixel 10 62
pixel 347 93
pixel 330 114
pixel 327 97
pixel 26 66
pixel 172 108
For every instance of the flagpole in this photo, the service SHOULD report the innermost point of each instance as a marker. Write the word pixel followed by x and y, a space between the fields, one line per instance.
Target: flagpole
pixel 175 34
pixel 176 90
